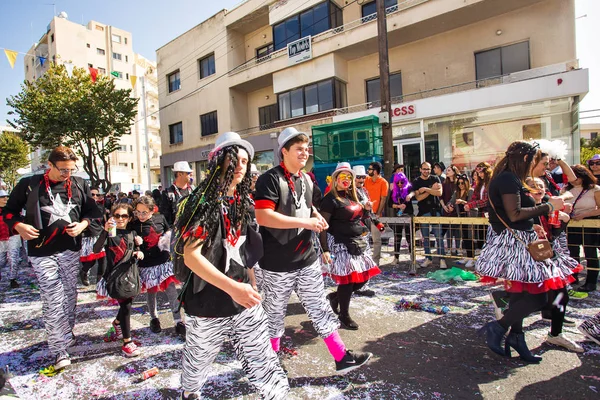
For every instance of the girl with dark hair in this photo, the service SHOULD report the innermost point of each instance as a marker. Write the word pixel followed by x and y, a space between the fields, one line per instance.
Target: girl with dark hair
pixel 121 250
pixel 459 198
pixel 505 255
pixel 156 269
pixel 585 198
pixel 213 232
pixel 476 207
pixel 346 253
pixel 448 189
pixel 401 202
pixel 87 257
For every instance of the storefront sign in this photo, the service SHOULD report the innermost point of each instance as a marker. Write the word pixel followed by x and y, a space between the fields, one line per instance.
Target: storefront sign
pixel 204 154
pixel 404 111
pixel 299 51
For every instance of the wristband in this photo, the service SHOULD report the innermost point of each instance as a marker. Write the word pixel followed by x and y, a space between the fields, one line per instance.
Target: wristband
pixel 551 207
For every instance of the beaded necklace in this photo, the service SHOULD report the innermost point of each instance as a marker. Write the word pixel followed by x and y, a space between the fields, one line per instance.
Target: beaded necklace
pixel 288 178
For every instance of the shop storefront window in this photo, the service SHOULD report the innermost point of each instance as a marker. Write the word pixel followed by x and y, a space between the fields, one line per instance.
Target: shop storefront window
pixel 264 160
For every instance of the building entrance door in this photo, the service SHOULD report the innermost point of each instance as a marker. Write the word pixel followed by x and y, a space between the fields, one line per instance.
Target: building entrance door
pixel 408 152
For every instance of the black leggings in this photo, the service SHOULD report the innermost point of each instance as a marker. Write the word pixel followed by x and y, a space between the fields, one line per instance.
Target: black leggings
pixel 88 265
pixel 398 237
pixel 344 293
pixel 521 305
pixel 124 317
pixel 557 312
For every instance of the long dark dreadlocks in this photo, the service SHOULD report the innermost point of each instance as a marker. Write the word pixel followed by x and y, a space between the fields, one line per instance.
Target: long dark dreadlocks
pixel 199 214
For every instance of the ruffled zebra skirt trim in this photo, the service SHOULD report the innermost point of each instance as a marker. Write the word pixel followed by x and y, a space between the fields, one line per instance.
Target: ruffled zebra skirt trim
pixel 157 278
pixel 346 268
pixel 87 249
pixel 505 257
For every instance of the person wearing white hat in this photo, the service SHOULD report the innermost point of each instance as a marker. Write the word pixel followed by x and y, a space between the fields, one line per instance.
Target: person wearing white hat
pixel 10 246
pixel 218 244
pixel 345 247
pixel 180 189
pixel 254 173
pixel 285 213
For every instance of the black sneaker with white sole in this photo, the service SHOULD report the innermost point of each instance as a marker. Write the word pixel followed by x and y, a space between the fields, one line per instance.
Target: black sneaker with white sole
pixel 191 396
pixel 62 361
pixel 351 361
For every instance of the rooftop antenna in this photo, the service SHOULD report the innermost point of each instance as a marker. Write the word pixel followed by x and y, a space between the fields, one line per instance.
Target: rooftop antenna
pixel 54 5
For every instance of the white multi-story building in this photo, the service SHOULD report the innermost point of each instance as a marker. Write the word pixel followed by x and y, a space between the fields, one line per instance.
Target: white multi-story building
pixel 110 50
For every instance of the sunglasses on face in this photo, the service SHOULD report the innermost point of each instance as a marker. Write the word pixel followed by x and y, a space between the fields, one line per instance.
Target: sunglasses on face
pixel 369 169
pixel 344 176
pixel 462 182
pixel 121 216
pixel 96 195
pixel 360 176
pixel 594 162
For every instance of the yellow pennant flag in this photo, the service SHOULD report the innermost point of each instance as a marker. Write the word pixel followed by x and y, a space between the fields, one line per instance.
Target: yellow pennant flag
pixel 133 80
pixel 12 57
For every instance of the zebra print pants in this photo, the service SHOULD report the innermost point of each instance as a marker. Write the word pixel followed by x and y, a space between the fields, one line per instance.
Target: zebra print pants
pixel 308 284
pixel 248 332
pixel 11 256
pixel 57 278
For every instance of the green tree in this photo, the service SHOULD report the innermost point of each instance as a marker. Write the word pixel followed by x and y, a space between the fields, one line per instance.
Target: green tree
pixel 587 153
pixel 87 116
pixel 14 154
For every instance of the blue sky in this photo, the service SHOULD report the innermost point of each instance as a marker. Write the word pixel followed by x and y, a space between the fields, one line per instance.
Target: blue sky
pixel 152 23
pixel 155 22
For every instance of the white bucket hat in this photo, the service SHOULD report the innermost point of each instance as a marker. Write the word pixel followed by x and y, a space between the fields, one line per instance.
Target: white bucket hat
pixel 232 139
pixel 286 135
pixel 359 170
pixel 181 166
pixel 3 193
pixel 343 167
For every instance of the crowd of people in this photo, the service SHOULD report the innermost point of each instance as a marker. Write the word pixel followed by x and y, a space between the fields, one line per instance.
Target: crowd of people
pixel 229 253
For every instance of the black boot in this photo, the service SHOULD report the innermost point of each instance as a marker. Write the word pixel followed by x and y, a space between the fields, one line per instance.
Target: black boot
pixel 517 342
pixel 494 332
pixel 333 300
pixel 14 284
pixel 348 322
pixel 83 275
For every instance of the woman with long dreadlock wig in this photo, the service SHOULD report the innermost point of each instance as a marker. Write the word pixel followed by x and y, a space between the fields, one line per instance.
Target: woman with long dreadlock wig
pixel 505 254
pixel 220 247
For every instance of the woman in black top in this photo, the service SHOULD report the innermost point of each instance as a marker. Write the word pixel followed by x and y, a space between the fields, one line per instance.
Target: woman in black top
pixel 401 202
pixel 505 255
pixel 346 252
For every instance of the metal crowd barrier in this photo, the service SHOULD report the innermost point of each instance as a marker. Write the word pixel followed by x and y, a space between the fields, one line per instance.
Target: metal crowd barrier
pixel 464 236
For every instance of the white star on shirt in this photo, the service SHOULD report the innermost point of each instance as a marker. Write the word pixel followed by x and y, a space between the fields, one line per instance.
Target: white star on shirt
pixel 233 252
pixel 58 210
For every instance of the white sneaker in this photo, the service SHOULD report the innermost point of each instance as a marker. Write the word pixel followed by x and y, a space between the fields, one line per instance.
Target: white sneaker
pixel 470 264
pixel 562 340
pixel 426 263
pixel 443 264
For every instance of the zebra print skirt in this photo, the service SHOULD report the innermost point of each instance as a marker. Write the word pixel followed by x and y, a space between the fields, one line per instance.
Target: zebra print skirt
pixel 157 278
pixel 13 243
pixel 505 257
pixel 346 268
pixel 87 249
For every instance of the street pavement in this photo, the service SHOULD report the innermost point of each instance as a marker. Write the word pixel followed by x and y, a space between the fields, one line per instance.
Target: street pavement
pixel 417 354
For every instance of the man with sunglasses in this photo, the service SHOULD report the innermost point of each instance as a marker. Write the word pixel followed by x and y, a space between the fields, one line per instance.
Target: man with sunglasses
pixel 59 208
pixel 378 189
pixel 594 166
pixel 180 189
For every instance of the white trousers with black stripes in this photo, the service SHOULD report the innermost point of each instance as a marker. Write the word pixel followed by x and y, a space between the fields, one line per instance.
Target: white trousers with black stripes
pixel 248 332
pixel 57 278
pixel 308 284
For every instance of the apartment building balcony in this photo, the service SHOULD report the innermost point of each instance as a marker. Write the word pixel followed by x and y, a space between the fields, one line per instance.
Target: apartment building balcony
pixel 553 81
pixel 407 22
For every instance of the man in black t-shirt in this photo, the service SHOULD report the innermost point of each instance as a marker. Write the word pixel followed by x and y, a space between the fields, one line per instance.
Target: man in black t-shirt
pixel 285 213
pixel 427 189
pixel 59 208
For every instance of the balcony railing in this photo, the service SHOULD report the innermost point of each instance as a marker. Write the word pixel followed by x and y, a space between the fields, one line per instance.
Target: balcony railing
pixel 401 6
pixel 461 87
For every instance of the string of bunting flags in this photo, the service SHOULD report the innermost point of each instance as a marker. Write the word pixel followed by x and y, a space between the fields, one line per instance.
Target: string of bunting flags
pixel 11 55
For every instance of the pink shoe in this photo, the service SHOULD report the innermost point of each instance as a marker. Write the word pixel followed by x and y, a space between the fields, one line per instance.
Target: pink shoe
pixel 130 350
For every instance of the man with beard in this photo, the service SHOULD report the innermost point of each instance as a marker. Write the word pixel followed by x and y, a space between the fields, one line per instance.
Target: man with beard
pixel 378 189
pixel 179 189
pixel 428 189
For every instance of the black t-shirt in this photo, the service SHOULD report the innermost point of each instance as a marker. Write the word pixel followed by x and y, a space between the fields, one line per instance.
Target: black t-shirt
pixel 508 183
pixel 346 216
pixel 54 215
pixel 151 230
pixel 431 203
pixel 298 252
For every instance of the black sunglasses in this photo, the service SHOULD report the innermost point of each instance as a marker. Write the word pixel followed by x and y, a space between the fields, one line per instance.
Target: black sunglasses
pixel 119 216
pixel 361 176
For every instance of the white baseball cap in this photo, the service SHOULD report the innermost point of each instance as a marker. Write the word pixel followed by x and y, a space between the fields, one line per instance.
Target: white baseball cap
pixel 3 193
pixel 181 166
pixel 286 135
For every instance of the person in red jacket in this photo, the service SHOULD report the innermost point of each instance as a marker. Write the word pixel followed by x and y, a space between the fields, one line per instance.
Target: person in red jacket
pixel 10 246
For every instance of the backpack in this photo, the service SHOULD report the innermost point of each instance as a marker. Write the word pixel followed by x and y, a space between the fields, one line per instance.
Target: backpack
pixel 123 281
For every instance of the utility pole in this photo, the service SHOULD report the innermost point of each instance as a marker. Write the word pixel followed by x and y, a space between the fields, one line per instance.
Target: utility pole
pixel 146 133
pixel 384 82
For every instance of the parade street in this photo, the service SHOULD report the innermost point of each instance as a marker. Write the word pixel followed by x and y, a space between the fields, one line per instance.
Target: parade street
pixel 417 354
